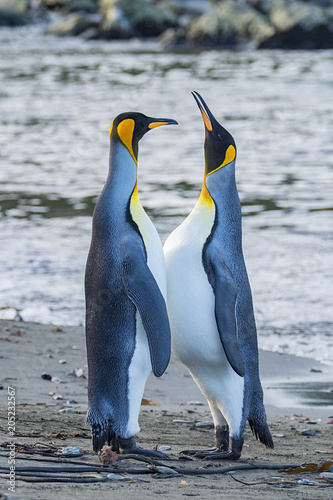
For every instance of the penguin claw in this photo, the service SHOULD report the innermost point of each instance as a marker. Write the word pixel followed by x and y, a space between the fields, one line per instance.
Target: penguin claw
pixel 128 447
pixel 222 455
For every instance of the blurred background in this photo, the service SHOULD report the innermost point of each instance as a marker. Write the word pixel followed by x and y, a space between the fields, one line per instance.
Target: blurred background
pixel 264 67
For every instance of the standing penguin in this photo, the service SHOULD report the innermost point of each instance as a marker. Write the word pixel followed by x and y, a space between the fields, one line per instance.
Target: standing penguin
pixel 210 303
pixel 127 327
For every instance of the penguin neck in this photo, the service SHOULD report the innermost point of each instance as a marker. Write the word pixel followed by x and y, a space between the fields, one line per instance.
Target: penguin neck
pixel 122 176
pixel 201 220
pixel 218 185
pixel 221 186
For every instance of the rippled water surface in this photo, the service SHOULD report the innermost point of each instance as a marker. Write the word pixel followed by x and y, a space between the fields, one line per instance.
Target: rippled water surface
pixel 58 98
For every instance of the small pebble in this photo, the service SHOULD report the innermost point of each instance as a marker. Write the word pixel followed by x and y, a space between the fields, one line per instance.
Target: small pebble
pixel 162 469
pixel 278 435
pixel 67 410
pixel 116 476
pixel 315 370
pixel 306 432
pixel 75 347
pixel 57 396
pixel 70 450
pixel 71 402
pixel 1 387
pixel 327 474
pixel 307 482
pixel 46 376
pixel 195 403
pixel 165 447
pixel 81 373
pixel 57 380
pixel 205 425
pixel 62 361
pixel 330 468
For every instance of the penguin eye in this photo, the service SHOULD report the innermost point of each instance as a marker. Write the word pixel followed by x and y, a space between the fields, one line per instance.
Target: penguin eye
pixel 219 136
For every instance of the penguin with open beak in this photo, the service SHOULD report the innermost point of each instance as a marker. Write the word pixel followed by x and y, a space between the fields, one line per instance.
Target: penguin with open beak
pixel 127 326
pixel 210 303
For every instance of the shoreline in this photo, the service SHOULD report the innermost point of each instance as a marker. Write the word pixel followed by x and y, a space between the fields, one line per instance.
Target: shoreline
pixel 288 381
pixel 172 408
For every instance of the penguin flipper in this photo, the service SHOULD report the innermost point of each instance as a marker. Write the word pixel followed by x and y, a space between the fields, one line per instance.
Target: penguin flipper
pixel 225 313
pixel 143 290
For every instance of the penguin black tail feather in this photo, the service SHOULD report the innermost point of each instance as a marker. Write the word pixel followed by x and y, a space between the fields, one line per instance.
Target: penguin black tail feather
pixel 261 432
pixel 102 434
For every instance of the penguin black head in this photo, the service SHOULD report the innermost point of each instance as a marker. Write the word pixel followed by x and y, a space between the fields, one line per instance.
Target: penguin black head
pixel 220 147
pixel 130 127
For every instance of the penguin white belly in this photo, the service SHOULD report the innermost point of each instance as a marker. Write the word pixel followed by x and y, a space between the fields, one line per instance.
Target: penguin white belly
pixel 191 306
pixel 140 366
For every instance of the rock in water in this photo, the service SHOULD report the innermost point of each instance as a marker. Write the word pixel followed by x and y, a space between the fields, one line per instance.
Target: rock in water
pixel 297 25
pixel 72 25
pixel 143 18
pixel 14 13
pixel 231 23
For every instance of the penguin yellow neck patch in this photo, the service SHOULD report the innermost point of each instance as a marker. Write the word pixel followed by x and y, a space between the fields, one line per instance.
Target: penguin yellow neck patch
pixel 230 155
pixel 139 216
pixel 205 196
pixel 111 127
pixel 135 195
pixel 125 131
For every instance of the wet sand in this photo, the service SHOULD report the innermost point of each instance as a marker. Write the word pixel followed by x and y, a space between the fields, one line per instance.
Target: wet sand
pixel 297 391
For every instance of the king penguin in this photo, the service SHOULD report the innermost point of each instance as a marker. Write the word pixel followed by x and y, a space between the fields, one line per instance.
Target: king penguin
pixel 210 304
pixel 127 326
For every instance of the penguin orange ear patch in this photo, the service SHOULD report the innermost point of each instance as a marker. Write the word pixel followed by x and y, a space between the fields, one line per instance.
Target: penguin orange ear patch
pixel 110 130
pixel 230 155
pixel 125 131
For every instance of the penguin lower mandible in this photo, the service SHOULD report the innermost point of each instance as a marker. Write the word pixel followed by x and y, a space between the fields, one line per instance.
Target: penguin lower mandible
pixel 127 326
pixel 210 303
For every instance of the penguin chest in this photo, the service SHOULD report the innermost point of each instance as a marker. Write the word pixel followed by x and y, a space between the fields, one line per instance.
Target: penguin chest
pixel 140 365
pixel 152 242
pixel 191 300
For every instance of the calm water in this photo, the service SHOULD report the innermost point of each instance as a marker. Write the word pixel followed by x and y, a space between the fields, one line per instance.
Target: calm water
pixel 58 98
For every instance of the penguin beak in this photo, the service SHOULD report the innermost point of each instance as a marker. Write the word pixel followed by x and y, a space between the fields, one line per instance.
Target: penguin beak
pixel 207 116
pixel 158 122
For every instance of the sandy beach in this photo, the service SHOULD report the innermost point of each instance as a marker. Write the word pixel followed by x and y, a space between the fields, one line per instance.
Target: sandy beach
pixel 298 399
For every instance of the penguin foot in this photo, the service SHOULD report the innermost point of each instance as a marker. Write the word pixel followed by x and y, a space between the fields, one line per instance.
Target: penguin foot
pixel 222 455
pixel 128 446
pixel 221 452
pixel 236 445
